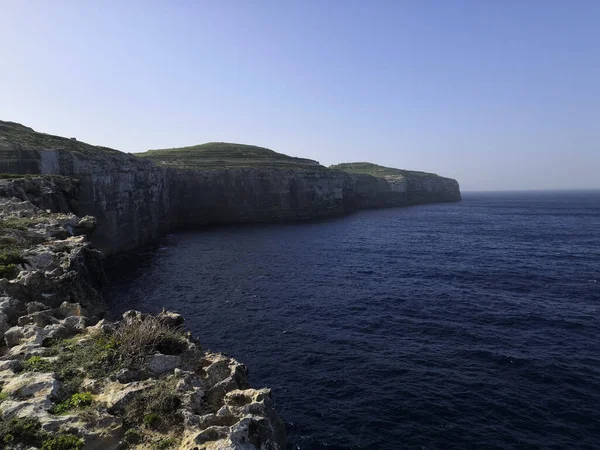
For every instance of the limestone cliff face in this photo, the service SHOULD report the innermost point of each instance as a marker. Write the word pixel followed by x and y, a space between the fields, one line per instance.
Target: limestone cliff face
pixel 201 197
pixel 368 191
pixel 135 200
pixel 127 195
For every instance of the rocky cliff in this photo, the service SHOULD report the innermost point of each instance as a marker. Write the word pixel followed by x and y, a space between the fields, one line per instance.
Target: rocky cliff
pixel 127 195
pixel 137 198
pixel 69 382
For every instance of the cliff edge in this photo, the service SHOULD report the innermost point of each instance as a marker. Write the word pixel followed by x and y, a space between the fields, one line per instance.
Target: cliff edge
pixel 71 382
pixel 136 198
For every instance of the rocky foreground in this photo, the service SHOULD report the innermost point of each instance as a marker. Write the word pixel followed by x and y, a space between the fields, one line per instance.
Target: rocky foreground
pixel 71 381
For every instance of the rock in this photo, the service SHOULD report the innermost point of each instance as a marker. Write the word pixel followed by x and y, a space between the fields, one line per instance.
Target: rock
pixel 33 307
pixel 13 336
pixel 86 224
pixel 30 384
pixel 133 316
pixel 75 323
pixel 4 326
pixel 11 308
pixel 125 376
pixel 70 309
pixel 171 319
pixel 116 395
pixel 92 385
pixel 56 332
pixel 160 364
pixel 102 327
pixel 40 318
pixel 11 364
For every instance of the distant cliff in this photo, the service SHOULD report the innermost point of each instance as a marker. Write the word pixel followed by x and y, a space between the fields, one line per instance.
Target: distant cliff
pixel 138 197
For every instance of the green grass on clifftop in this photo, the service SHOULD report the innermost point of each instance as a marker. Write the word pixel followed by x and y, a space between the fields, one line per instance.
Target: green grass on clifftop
pixel 224 155
pixel 379 171
pixel 16 133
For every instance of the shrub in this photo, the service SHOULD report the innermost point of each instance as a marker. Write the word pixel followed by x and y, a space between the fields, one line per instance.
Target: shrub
pixel 137 339
pixel 79 400
pixel 38 364
pixel 156 408
pixel 9 271
pixel 133 436
pixel 10 258
pixel 63 442
pixel 164 443
pixel 21 431
pixel 152 420
pixel 9 255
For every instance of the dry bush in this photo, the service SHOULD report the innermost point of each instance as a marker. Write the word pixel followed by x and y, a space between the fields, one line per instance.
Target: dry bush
pixel 140 337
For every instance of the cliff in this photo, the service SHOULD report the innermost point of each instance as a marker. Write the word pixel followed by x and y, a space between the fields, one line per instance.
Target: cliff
pixel 375 186
pixel 70 382
pixel 137 198
pixel 128 195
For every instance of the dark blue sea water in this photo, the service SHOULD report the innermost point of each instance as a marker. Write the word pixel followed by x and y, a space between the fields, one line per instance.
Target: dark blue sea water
pixel 451 326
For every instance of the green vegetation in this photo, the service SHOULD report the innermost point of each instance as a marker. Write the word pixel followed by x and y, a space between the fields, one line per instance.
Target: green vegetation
pixel 20 223
pixel 164 443
pixel 220 155
pixel 152 420
pixel 3 396
pixel 76 401
pixel 133 436
pixel 379 171
pixel 38 364
pixel 16 176
pixel 63 442
pixel 10 258
pixel 25 431
pixel 101 355
pixel 28 432
pixel 20 134
pixel 155 408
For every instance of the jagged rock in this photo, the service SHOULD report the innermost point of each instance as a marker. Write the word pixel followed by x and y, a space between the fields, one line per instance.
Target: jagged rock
pixel 11 364
pixel 4 326
pixel 40 318
pixel 11 308
pixel 171 319
pixel 33 307
pixel 51 298
pixel 132 316
pixel 13 336
pixel 29 384
pixel 116 395
pixel 160 364
pixel 76 323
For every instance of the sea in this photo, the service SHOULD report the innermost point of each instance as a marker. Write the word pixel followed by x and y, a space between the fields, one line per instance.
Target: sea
pixel 469 325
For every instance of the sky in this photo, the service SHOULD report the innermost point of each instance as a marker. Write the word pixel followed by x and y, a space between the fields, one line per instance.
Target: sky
pixel 499 94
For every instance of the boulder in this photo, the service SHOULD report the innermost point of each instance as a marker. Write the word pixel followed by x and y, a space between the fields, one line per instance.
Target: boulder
pixel 160 363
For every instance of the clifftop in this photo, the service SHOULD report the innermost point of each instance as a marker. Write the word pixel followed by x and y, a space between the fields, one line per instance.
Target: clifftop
pixel 376 170
pixel 223 155
pixel 139 197
pixel 15 133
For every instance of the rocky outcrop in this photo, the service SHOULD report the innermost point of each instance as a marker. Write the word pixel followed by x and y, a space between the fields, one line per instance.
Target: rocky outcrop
pixel 128 195
pixel 368 191
pixel 141 382
pixel 45 257
pixel 84 385
pixel 135 200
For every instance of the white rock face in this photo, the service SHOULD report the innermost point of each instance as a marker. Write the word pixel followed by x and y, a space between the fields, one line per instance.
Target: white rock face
pixel 215 405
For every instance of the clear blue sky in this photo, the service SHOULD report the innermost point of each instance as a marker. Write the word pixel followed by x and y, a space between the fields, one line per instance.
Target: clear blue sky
pixel 498 94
